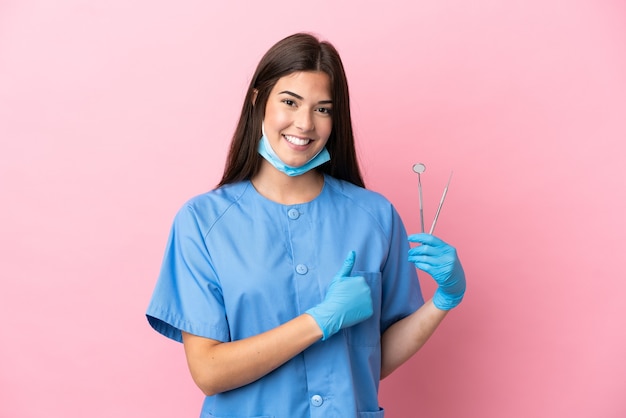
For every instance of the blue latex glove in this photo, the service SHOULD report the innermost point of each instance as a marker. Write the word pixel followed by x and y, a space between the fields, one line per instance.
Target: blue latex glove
pixel 348 301
pixel 440 260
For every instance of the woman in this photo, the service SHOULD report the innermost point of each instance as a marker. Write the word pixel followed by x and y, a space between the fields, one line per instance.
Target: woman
pixel 289 283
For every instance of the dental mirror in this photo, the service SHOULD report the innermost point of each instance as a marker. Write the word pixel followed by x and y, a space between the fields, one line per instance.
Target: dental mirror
pixel 419 168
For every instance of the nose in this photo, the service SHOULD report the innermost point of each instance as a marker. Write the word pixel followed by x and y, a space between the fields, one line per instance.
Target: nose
pixel 304 121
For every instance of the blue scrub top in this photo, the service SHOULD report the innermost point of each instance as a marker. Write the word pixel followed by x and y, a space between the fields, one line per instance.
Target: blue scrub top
pixel 238 264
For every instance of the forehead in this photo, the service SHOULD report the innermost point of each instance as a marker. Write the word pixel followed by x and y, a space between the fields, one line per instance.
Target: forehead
pixel 308 84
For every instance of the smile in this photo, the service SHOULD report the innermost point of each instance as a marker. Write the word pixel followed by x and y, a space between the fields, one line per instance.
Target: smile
pixel 296 141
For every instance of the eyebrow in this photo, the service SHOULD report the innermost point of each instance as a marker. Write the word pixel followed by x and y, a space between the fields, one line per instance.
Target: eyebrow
pixel 297 96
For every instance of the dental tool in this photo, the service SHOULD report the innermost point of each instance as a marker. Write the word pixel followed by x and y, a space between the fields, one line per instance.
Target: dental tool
pixel 419 168
pixel 443 197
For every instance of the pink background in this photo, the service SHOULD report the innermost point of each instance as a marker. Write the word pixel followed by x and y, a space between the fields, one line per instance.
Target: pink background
pixel 113 113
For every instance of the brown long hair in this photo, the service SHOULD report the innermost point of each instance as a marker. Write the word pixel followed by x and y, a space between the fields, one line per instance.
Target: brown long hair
pixel 298 52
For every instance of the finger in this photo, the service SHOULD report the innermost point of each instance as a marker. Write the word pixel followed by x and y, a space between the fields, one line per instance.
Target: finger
pixel 436 254
pixel 427 250
pixel 348 264
pixel 427 268
pixel 424 263
pixel 423 267
pixel 423 260
pixel 427 239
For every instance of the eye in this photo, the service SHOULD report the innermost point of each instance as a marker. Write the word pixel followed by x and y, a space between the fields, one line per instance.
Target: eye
pixel 325 110
pixel 289 102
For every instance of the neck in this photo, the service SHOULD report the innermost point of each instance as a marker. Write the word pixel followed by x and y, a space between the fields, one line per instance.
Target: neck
pixel 281 188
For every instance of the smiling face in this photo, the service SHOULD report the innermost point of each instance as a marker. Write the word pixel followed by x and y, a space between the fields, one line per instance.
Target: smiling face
pixel 298 116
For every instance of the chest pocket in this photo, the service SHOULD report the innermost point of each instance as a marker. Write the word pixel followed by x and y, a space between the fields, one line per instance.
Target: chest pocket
pixel 367 333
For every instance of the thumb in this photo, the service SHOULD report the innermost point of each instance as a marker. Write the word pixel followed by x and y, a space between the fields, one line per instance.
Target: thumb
pixel 348 264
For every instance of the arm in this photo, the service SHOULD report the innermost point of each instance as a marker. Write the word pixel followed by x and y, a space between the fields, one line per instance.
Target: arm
pixel 220 366
pixel 407 336
pixel 404 338
pixel 217 367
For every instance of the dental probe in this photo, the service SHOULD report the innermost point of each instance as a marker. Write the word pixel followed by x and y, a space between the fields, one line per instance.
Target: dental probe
pixel 443 197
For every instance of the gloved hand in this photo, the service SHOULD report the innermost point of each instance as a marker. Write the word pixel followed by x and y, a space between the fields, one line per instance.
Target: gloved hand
pixel 348 301
pixel 440 260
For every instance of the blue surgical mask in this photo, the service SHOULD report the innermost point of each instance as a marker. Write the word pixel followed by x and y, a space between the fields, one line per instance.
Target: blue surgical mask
pixel 266 150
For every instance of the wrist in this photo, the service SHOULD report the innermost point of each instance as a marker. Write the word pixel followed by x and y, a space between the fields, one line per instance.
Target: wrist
pixel 319 322
pixel 314 328
pixel 446 301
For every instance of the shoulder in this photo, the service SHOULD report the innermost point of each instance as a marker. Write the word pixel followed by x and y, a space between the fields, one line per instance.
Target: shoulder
pixel 218 199
pixel 358 195
pixel 206 209
pixel 373 203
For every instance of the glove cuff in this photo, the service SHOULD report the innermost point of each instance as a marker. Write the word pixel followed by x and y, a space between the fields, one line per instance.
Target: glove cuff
pixel 446 302
pixel 323 322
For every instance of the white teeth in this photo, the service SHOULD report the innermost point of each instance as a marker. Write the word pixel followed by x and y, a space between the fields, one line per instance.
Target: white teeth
pixel 296 141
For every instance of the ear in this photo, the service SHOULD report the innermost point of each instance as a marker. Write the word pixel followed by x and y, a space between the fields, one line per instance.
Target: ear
pixel 255 93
